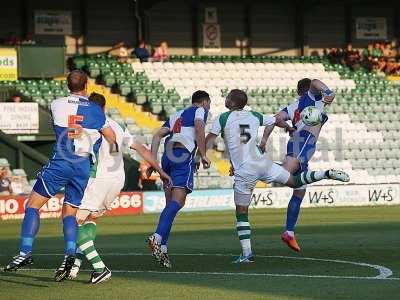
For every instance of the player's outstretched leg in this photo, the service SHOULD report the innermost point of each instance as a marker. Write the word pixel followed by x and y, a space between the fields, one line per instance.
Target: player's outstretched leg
pixel 86 237
pixel 308 177
pixel 244 233
pixel 167 217
pixel 70 228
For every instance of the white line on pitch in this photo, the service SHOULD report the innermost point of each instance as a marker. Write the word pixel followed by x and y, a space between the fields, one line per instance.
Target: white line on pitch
pixel 230 274
pixel 384 273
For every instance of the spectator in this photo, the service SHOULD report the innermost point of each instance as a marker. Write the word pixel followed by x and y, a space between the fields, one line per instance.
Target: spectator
pixel 352 57
pixel 367 51
pixel 335 56
pixel 380 67
pixel 376 51
pixel 28 40
pixel 141 51
pixel 12 39
pixel 120 51
pixel 19 182
pixel 161 53
pixel 5 182
pixel 378 57
pixel 16 98
pixel 368 64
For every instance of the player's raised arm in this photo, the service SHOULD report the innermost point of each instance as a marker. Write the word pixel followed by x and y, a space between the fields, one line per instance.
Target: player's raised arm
pixel 157 137
pixel 148 156
pixel 199 128
pixel 278 120
pixel 317 86
pixel 155 143
pixel 214 132
pixel 110 137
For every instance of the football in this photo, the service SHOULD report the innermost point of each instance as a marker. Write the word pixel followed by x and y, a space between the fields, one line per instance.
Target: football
pixel 311 116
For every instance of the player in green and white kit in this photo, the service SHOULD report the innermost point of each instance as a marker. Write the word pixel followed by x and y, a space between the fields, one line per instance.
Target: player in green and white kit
pixel 239 128
pixel 106 180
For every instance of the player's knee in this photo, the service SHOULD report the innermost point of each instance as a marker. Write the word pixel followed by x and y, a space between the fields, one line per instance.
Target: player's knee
pixel 36 200
pixel 299 192
pixel 240 209
pixel 82 215
pixel 69 210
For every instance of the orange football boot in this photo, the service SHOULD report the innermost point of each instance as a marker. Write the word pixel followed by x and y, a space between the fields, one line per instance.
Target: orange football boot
pixel 290 241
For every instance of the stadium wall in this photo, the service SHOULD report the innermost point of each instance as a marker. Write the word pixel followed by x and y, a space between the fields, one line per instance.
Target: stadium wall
pixel 132 203
pixel 281 28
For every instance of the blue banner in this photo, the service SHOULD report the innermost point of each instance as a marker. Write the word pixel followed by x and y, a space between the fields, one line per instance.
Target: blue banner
pixel 196 201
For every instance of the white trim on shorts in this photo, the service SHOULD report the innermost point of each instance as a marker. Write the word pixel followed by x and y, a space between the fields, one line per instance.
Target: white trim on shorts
pixel 69 203
pixel 45 187
pixel 305 143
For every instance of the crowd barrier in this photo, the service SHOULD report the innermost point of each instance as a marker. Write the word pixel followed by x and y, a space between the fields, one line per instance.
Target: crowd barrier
pixel 133 203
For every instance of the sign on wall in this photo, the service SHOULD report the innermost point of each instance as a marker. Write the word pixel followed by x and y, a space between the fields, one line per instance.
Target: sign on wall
pixel 197 201
pixel 371 28
pixel 13 207
pixel 210 15
pixel 278 197
pixel 54 22
pixel 211 30
pixel 19 118
pixel 326 196
pixel 211 37
pixel 8 64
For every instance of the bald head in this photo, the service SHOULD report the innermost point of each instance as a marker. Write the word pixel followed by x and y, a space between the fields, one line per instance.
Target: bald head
pixel 76 81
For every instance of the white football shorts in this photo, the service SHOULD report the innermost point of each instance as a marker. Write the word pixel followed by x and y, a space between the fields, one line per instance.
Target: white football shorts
pixel 100 194
pixel 249 173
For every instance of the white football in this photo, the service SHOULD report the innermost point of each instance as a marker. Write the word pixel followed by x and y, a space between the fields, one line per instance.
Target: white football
pixel 311 116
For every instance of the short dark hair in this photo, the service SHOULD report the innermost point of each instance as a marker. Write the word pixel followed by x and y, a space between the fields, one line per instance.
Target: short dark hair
pixel 303 86
pixel 98 98
pixel 76 81
pixel 238 98
pixel 200 96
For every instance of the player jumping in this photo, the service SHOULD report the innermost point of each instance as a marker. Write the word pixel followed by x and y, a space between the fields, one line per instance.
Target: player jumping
pixel 106 180
pixel 185 130
pixel 78 125
pixel 301 145
pixel 239 129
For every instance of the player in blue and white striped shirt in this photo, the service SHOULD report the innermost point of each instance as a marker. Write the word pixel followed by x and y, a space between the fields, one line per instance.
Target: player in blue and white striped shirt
pixel 78 126
pixel 185 135
pixel 302 144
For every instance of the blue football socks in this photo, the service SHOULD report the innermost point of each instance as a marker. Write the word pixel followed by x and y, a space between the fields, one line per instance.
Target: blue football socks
pixel 293 211
pixel 29 229
pixel 70 228
pixel 166 219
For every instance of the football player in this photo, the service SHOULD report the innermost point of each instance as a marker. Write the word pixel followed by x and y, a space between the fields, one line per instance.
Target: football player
pixel 185 131
pixel 107 178
pixel 239 129
pixel 78 126
pixel 301 145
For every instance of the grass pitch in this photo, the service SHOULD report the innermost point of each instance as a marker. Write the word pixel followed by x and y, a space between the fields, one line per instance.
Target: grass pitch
pixel 201 248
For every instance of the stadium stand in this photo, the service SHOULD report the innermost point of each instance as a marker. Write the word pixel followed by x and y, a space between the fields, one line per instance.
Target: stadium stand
pixel 364 113
pixel 364 116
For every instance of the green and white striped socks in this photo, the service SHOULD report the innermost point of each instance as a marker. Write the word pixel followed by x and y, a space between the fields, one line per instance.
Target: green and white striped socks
pixel 244 232
pixel 309 177
pixel 85 242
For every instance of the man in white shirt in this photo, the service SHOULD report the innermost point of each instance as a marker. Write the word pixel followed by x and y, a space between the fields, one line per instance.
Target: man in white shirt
pixel 239 128
pixel 107 178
